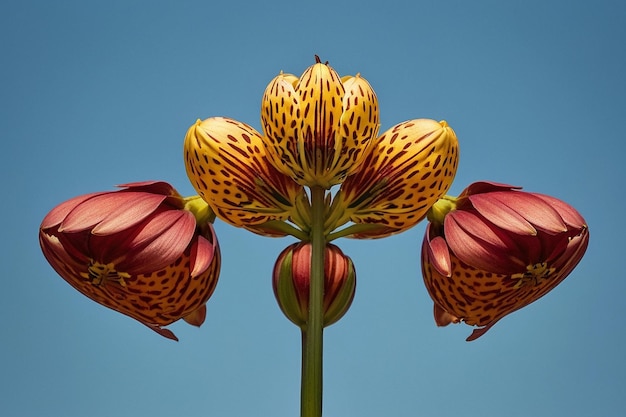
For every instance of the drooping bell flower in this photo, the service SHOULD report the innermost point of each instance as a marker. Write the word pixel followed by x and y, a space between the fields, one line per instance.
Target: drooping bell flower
pixel 292 277
pixel 143 251
pixel 405 171
pixel 496 249
pixel 318 126
pixel 228 166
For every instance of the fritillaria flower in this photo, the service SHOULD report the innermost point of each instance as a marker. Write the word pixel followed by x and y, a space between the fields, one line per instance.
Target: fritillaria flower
pixel 405 171
pixel 292 277
pixel 319 126
pixel 139 251
pixel 495 249
pixel 228 166
pixel 320 130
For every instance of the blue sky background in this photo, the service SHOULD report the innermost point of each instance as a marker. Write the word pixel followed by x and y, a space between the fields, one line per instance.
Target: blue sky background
pixel 95 94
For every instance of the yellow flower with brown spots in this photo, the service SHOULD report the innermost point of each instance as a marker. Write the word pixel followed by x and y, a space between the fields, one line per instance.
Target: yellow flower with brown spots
pixel 319 126
pixel 405 171
pixel 227 164
pixel 320 130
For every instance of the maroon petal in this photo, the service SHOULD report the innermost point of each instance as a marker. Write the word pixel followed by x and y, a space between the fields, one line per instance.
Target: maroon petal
pixel 152 187
pixel 438 255
pixel 60 212
pixel 501 215
pixel 167 235
pixel 481 187
pixel 128 213
pixel 570 216
pixel 572 255
pixel 481 230
pixel 120 208
pixel 163 332
pixel 63 263
pixel 533 209
pixel 201 256
pixel 480 331
pixel 479 244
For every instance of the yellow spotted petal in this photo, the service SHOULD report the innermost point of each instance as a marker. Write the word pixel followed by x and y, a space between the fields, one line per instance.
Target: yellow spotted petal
pixel 406 170
pixel 227 164
pixel 359 121
pixel 318 127
pixel 282 122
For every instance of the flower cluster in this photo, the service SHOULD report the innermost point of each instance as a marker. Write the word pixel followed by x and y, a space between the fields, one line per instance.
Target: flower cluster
pixel 151 254
pixel 320 130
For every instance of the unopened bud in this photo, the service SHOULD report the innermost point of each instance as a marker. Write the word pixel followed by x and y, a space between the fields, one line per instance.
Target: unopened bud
pixel 292 277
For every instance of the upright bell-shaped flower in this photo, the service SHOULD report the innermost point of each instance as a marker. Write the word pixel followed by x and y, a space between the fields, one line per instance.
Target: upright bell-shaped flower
pixel 140 251
pixel 405 171
pixel 319 126
pixel 495 249
pixel 292 278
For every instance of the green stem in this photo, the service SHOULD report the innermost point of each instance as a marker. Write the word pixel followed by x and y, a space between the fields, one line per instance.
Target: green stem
pixel 355 229
pixel 281 226
pixel 312 332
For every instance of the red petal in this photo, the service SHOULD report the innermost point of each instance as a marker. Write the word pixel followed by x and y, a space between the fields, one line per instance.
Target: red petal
pixel 201 256
pixel 168 233
pixel 481 187
pixel 480 244
pixel 152 187
pixel 110 206
pixel 480 331
pixel 501 215
pixel 60 212
pixel 570 216
pixel 572 254
pixel 301 272
pixel 130 211
pixel 62 262
pixel 438 254
pixel 163 332
pixel 533 209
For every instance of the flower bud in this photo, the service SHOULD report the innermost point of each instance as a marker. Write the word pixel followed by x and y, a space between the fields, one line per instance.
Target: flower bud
pixel 406 170
pixel 292 277
pixel 319 126
pixel 138 251
pixel 227 165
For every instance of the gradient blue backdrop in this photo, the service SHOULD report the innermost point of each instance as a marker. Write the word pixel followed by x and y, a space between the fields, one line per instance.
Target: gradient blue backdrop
pixel 95 94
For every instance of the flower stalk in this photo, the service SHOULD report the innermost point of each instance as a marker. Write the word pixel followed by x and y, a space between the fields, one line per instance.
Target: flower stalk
pixel 313 331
